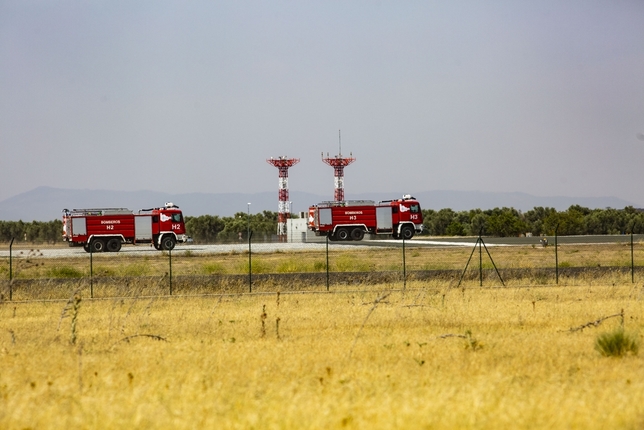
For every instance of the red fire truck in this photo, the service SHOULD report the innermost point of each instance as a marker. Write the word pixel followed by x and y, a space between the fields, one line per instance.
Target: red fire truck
pixel 106 229
pixel 351 219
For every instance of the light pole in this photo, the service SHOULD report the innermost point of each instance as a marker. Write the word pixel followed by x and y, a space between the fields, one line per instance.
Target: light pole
pixel 248 219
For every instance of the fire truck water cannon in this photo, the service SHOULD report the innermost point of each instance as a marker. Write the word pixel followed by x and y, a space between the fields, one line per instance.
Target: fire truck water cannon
pixel 352 219
pixel 106 229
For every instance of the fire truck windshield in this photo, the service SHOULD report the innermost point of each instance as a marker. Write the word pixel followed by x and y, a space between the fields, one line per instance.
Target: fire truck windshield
pixel 414 209
pixel 176 217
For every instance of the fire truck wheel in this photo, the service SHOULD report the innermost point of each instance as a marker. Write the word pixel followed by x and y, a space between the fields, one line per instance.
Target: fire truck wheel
pixel 357 234
pixel 86 247
pixel 343 234
pixel 167 243
pixel 114 245
pixel 97 245
pixel 407 232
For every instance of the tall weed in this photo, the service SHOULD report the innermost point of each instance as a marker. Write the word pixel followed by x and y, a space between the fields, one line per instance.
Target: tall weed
pixel 617 343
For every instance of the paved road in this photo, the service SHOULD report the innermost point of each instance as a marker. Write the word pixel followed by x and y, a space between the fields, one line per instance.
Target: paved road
pixel 510 241
pixel 66 252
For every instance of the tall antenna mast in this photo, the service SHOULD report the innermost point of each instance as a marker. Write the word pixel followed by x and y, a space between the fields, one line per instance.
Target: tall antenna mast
pixel 338 163
pixel 284 212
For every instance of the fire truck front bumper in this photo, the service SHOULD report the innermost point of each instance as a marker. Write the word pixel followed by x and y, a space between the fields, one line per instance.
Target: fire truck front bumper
pixel 184 238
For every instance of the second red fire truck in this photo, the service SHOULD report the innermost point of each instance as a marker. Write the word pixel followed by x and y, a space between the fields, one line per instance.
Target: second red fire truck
pixel 106 229
pixel 352 219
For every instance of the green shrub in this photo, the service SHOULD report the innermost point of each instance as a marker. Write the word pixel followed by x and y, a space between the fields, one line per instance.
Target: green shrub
pixel 64 272
pixel 616 343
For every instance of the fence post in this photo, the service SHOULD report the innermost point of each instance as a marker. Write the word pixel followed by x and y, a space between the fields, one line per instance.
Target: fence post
pixel 170 263
pixel 11 269
pixel 556 256
pixel 327 263
pixel 480 260
pixel 91 273
pixel 250 265
pixel 632 262
pixel 404 266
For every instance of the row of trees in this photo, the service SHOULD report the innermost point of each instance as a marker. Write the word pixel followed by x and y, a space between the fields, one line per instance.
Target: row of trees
pixel 35 232
pixel 212 228
pixel 503 222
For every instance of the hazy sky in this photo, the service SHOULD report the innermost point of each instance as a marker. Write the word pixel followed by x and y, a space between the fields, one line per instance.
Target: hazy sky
pixel 543 97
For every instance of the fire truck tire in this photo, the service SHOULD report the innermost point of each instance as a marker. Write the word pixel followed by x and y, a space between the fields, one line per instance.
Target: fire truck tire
pixel 86 247
pixel 407 232
pixel 97 245
pixel 333 238
pixel 343 234
pixel 167 243
pixel 113 245
pixel 357 234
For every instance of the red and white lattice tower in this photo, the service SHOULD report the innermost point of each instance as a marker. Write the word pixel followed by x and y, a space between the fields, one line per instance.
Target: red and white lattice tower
pixel 338 163
pixel 284 212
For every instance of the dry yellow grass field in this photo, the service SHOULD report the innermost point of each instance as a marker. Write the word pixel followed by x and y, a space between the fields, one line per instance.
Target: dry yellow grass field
pixel 428 357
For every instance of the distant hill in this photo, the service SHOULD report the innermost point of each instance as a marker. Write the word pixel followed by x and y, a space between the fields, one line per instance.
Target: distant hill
pixel 46 203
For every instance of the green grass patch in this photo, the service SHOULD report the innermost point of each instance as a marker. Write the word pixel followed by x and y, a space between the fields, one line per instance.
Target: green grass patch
pixel 290 266
pixel 349 263
pixel 104 271
pixel 258 266
pixel 319 266
pixel 135 270
pixel 64 272
pixel 213 268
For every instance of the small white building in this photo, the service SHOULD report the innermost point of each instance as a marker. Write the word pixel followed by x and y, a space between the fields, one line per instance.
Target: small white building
pixel 297 231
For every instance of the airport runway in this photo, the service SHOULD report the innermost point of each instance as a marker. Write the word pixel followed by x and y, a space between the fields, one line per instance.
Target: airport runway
pixel 24 250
